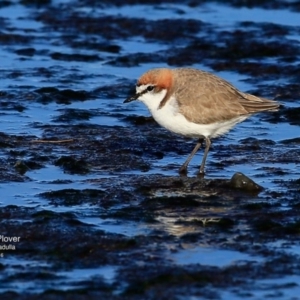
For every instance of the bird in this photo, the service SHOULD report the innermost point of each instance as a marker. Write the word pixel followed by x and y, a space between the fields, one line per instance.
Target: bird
pixel 196 104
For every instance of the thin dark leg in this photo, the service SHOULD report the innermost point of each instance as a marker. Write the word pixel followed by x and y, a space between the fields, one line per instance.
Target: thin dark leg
pixel 207 146
pixel 183 168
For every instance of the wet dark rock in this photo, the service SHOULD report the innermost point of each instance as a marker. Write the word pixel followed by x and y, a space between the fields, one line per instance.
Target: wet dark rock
pixel 257 206
pixel 136 59
pixel 117 90
pixel 49 94
pixel 271 171
pixel 73 165
pixel 294 141
pixel 36 2
pixel 171 277
pixel 139 120
pixel 258 49
pixel 21 167
pixel 4 3
pixel 252 68
pixel 131 214
pixel 26 51
pixel 293 228
pixel 15 74
pixel 292 115
pixel 267 29
pixel 296 181
pixel 48 214
pixel 28 164
pixel 69 94
pixel 70 115
pixel 14 39
pixel 273 227
pixel 75 57
pixel 287 92
pixel 223 223
pixel 290 156
pixel 9 175
pixel 267 225
pixel 255 143
pixel 267 4
pixel 114 27
pixel 242 182
pixel 5 141
pixel 104 47
pixel 74 197
pixel 169 201
pixel 47 90
pixel 9 105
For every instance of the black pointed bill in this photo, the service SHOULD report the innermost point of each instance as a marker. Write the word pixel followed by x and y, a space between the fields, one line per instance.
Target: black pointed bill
pixel 132 98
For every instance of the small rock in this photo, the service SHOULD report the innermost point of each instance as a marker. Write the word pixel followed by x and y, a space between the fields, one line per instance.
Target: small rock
pixel 241 181
pixel 21 167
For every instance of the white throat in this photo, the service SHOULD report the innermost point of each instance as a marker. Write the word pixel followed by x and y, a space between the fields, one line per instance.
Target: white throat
pixel 151 99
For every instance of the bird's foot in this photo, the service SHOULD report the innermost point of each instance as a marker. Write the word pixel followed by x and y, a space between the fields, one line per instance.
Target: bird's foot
pixel 201 173
pixel 183 170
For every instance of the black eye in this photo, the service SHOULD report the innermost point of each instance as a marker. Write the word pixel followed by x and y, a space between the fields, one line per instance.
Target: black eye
pixel 150 88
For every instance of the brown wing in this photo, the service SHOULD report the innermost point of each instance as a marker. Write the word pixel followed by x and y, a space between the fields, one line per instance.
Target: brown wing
pixel 211 99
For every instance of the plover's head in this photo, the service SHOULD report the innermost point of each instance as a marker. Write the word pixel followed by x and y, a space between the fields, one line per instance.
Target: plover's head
pixel 153 87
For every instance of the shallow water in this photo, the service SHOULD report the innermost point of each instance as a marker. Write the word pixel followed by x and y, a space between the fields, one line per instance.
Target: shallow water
pixel 211 257
pixel 66 279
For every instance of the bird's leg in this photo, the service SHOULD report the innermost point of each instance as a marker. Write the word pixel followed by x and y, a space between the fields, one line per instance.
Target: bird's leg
pixel 207 146
pixel 183 168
